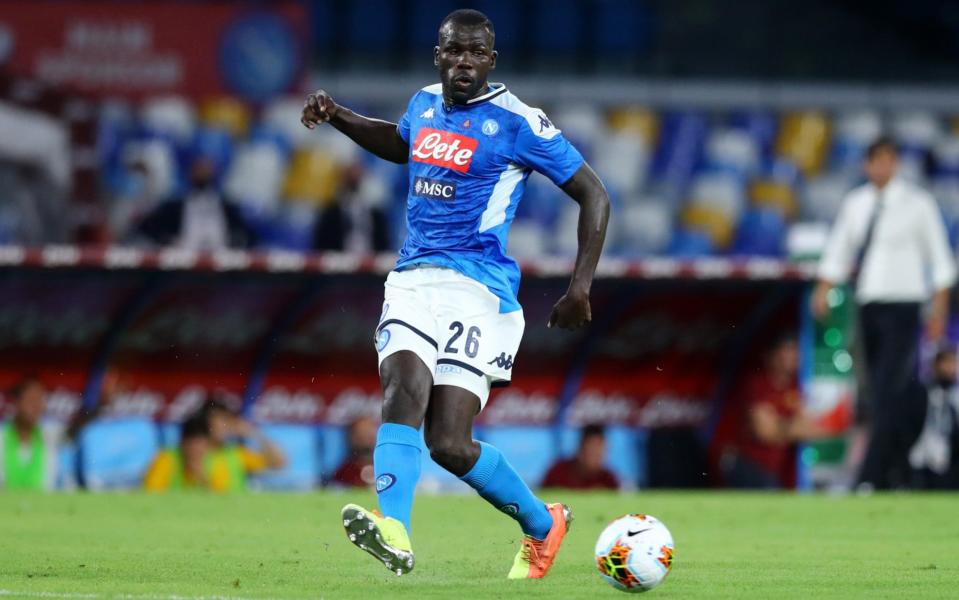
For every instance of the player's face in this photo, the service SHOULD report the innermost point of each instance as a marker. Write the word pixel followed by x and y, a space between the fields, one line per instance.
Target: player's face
pixel 464 57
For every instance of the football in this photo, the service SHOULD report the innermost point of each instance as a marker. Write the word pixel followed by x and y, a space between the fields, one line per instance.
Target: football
pixel 635 553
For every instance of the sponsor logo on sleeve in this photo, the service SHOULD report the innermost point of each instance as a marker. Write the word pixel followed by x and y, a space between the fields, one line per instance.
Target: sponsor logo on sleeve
pixel 503 361
pixel 444 149
pixel 434 189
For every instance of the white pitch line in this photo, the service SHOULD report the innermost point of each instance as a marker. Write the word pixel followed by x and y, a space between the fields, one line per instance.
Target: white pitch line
pixel 82 596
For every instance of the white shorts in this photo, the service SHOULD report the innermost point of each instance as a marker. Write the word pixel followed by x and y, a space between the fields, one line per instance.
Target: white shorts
pixel 453 324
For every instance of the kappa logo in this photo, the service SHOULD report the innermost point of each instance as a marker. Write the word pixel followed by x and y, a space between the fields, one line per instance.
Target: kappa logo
pixel 444 149
pixel 435 189
pixel 544 123
pixel 427 114
pixel 502 361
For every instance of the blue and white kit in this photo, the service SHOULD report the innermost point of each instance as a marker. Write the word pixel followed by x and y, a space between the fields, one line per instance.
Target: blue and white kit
pixel 452 296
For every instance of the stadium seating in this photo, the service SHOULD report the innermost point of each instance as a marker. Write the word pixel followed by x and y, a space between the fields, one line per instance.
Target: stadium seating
pixel 683 183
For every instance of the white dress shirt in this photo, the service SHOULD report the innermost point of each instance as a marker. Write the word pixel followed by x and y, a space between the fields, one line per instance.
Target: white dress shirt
pixel 908 257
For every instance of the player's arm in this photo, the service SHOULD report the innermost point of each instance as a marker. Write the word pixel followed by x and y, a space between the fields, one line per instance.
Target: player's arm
pixel 377 136
pixel 587 190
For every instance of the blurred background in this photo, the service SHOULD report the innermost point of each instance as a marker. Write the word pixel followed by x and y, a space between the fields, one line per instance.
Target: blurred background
pixel 181 261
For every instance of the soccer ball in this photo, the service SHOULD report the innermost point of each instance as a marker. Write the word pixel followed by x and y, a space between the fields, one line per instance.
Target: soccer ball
pixel 634 553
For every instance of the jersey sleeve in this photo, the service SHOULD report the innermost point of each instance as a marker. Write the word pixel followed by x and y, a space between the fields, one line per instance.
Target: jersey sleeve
pixel 403 127
pixel 542 147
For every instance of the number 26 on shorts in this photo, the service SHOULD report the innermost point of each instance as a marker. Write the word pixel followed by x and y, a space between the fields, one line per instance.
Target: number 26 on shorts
pixel 470 346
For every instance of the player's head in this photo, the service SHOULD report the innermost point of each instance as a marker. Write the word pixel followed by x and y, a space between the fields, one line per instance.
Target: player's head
pixel 592 447
pixel 882 158
pixel 464 54
pixel 29 397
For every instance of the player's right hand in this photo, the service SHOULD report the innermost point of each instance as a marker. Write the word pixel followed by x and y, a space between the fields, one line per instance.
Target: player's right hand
pixel 319 108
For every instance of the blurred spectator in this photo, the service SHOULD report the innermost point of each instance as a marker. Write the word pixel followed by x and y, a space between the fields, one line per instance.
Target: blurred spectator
pixel 889 238
pixel 232 460
pixel 357 469
pixel 201 220
pixel 111 387
pixel 756 441
pixel 350 223
pixel 585 470
pixel 27 453
pixel 935 455
pixel 187 466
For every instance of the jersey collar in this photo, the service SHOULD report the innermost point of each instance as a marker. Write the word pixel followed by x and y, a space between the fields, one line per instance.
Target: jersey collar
pixel 495 89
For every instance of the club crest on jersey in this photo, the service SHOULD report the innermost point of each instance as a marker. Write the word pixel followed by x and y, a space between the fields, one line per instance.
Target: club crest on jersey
pixel 427 114
pixel 444 149
pixel 490 127
pixel 434 189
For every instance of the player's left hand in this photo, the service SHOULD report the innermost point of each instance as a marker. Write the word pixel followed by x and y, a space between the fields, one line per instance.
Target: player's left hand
pixel 571 312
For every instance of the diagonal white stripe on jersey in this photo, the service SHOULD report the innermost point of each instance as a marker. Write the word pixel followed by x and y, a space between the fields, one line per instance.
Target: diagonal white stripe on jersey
pixel 495 213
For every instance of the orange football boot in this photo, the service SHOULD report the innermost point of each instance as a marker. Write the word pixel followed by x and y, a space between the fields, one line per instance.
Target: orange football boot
pixel 535 557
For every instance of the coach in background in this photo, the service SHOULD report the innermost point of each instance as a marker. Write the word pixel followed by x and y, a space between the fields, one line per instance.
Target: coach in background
pixel 890 241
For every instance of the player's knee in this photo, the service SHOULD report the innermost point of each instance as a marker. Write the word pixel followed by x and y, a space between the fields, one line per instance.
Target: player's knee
pixel 454 455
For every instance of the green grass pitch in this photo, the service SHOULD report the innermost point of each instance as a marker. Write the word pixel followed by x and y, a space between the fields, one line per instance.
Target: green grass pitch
pixel 176 547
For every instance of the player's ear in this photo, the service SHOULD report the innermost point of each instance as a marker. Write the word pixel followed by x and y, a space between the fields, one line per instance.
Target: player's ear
pixel 492 59
pixel 436 56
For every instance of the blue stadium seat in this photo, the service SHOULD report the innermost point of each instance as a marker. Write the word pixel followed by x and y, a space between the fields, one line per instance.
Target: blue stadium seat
pixel 762 125
pixel 531 450
pixel 680 149
pixel 115 453
pixel 690 244
pixel 213 144
pixel 761 232
pixel 300 445
pixel 169 434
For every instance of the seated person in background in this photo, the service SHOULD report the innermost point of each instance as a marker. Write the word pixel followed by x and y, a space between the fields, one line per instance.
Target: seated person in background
pixel 935 455
pixel 28 456
pixel 585 470
pixel 112 387
pixel 350 223
pixel 230 435
pixel 357 469
pixel 756 443
pixel 189 465
pixel 202 220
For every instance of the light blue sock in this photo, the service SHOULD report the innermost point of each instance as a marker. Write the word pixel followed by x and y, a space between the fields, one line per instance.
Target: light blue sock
pixel 396 464
pixel 497 483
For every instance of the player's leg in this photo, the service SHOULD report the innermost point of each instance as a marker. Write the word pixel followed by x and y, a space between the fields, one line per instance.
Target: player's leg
pixel 407 356
pixel 448 432
pixel 407 383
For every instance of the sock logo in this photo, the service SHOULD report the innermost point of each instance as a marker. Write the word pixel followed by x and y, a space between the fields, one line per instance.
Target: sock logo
pixel 384 482
pixel 511 509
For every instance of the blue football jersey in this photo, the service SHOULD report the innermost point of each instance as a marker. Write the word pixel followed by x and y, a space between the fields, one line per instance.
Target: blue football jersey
pixel 468 170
